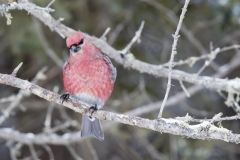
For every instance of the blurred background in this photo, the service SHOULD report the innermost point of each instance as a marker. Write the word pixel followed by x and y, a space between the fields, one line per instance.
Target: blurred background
pixel 208 24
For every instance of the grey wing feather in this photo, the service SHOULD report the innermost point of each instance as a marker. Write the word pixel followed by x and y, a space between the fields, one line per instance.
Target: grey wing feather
pixel 113 69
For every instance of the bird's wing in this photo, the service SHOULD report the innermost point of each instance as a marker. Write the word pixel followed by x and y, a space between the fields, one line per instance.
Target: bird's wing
pixel 113 69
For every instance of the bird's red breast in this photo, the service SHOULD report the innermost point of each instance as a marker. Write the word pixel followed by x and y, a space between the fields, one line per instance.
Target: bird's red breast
pixel 89 72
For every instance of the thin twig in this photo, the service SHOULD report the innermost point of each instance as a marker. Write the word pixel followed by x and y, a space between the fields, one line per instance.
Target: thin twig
pixel 173 53
pixel 192 60
pixel 103 36
pixel 115 33
pixel 48 119
pixel 216 118
pixel 13 150
pixel 209 61
pixel 135 39
pixel 50 152
pixel 33 152
pixel 15 71
pixel 64 125
pixel 21 94
pixel 7 99
pixel 222 71
pixel 184 89
pixel 92 150
pixel 172 17
pixel 44 42
pixel 50 3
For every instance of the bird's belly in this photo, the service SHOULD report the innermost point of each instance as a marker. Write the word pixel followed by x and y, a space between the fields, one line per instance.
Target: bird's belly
pixel 97 84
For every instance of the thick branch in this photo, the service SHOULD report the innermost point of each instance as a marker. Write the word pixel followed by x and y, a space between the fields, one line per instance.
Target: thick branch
pixel 203 130
pixel 128 61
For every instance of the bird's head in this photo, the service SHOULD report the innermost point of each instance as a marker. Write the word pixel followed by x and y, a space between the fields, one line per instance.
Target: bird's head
pixel 75 42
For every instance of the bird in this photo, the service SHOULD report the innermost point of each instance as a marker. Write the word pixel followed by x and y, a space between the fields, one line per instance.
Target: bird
pixel 88 75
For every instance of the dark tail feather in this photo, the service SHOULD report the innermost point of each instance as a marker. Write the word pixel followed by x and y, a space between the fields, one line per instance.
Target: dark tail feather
pixel 91 127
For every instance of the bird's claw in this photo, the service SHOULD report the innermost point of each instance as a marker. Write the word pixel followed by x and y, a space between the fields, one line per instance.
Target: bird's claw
pixel 65 97
pixel 92 109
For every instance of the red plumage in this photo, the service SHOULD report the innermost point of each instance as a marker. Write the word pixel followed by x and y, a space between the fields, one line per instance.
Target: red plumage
pixel 88 75
pixel 88 71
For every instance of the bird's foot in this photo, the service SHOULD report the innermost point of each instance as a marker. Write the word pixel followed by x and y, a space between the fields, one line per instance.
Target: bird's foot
pixel 92 109
pixel 65 97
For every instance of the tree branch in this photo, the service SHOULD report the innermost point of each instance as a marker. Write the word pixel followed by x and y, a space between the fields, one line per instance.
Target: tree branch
pixel 204 130
pixel 128 61
pixel 173 53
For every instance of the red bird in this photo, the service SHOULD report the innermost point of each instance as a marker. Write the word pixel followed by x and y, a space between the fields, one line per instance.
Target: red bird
pixel 88 75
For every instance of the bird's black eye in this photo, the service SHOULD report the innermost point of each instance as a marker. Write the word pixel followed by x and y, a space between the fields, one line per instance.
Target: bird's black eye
pixel 76 47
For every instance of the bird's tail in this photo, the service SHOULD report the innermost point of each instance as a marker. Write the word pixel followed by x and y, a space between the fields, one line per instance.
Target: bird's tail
pixel 91 127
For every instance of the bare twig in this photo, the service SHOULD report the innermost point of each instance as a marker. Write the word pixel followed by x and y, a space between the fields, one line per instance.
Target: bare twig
pixel 33 152
pixel 184 89
pixel 192 60
pixel 65 125
pixel 92 150
pixel 43 41
pixel 48 119
pixel 115 33
pixel 103 36
pixel 12 154
pixel 50 3
pixel 21 94
pixel 135 39
pixel 49 150
pixel 14 150
pixel 216 118
pixel 15 71
pixel 7 99
pixel 209 61
pixel 172 17
pixel 173 53
pixel 222 71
